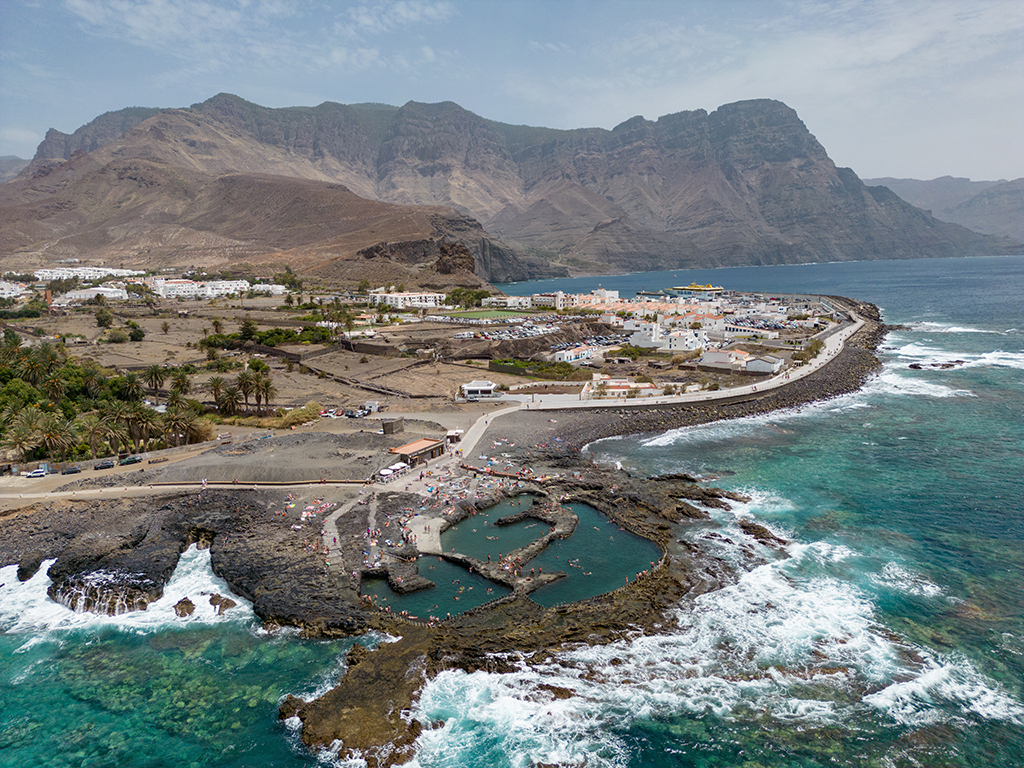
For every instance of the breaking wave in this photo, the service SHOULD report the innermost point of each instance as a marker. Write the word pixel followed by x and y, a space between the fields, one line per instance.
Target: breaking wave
pixel 25 608
pixel 789 641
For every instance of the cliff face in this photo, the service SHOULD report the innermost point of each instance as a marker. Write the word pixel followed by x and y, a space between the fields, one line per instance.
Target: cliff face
pixel 992 207
pixel 745 184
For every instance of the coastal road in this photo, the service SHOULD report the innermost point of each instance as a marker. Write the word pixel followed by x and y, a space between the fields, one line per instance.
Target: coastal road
pixel 833 340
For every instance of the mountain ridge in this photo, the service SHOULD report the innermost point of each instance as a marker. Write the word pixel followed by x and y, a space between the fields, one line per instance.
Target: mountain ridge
pixel 744 184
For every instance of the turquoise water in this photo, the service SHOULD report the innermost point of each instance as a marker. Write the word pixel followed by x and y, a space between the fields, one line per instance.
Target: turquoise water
pixel 478 536
pixel 455 590
pixel 893 632
pixel 891 635
pixel 597 558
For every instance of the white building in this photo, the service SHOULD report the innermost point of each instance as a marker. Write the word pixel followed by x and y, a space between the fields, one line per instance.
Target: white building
pixel 84 273
pixel 85 294
pixel 557 300
pixel 174 288
pixel 575 354
pixel 407 299
pixel 478 389
pixel 507 302
pixel 724 358
pixel 12 290
pixel 764 364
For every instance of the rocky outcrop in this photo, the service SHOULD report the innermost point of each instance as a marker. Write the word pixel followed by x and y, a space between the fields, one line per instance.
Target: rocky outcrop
pixel 184 608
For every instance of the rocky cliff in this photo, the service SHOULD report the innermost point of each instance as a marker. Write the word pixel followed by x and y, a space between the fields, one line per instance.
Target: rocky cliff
pixel 992 207
pixel 744 184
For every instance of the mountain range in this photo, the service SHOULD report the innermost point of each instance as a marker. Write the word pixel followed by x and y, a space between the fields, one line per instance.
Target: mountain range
pixel 992 207
pixel 341 191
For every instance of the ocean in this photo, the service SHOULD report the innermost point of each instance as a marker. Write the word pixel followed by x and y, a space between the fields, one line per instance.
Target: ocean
pixel 889 632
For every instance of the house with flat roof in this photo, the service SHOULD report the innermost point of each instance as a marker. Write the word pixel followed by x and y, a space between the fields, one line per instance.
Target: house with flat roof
pixel 419 451
pixel 475 389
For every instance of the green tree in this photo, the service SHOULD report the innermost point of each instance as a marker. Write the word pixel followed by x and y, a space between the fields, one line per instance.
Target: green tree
pixel 230 400
pixel 130 387
pixel 136 334
pixel 165 327
pixel 154 377
pixel 93 429
pixel 246 383
pixel 104 317
pixel 266 389
pixel 248 329
pixel 216 385
pixel 180 382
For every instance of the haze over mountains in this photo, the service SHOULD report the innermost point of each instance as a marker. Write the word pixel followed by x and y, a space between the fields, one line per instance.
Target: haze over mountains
pixel 992 207
pixel 227 181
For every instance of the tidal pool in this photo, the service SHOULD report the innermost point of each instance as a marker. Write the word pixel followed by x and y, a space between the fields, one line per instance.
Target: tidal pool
pixel 478 536
pixel 597 558
pixel 457 590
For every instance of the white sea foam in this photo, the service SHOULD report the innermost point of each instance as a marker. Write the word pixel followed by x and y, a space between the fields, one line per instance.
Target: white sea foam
pixel 25 608
pixel 945 684
pixel 889 382
pixel 780 642
pixel 930 327
pixel 897 578
pixel 927 356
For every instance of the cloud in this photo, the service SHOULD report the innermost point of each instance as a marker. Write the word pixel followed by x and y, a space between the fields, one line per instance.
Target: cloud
pixel 384 16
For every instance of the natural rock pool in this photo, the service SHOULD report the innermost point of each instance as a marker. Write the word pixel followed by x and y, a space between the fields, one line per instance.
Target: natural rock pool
pixel 599 557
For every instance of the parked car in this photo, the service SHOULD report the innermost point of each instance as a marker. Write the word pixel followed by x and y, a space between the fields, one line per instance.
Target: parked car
pixel 130 460
pixel 105 464
pixel 72 470
pixel 38 472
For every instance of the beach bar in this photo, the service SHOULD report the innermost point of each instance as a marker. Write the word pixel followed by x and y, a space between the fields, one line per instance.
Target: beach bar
pixel 420 451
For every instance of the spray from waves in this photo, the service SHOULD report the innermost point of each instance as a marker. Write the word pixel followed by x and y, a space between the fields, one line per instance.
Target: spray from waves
pixel 930 327
pixel 790 641
pixel 25 608
pixel 926 355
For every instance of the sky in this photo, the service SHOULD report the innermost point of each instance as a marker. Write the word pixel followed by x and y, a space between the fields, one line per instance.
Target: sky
pixel 903 88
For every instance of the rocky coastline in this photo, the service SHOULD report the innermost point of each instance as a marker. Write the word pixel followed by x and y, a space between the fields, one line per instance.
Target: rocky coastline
pixel 281 570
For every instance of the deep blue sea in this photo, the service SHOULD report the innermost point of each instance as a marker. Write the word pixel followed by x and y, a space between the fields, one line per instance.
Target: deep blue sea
pixel 889 633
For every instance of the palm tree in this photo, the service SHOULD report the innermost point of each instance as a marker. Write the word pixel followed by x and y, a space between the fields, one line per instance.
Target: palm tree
pixel 175 400
pixel 50 356
pixel 92 377
pixel 218 325
pixel 229 401
pixel 196 429
pixel 54 386
pixel 21 437
pixel 142 422
pixel 265 388
pixel 154 377
pixel 216 385
pixel 246 383
pixel 33 368
pixel 165 327
pixel 131 387
pixel 180 382
pixel 93 429
pixel 175 423
pixel 56 435
pixel 117 413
